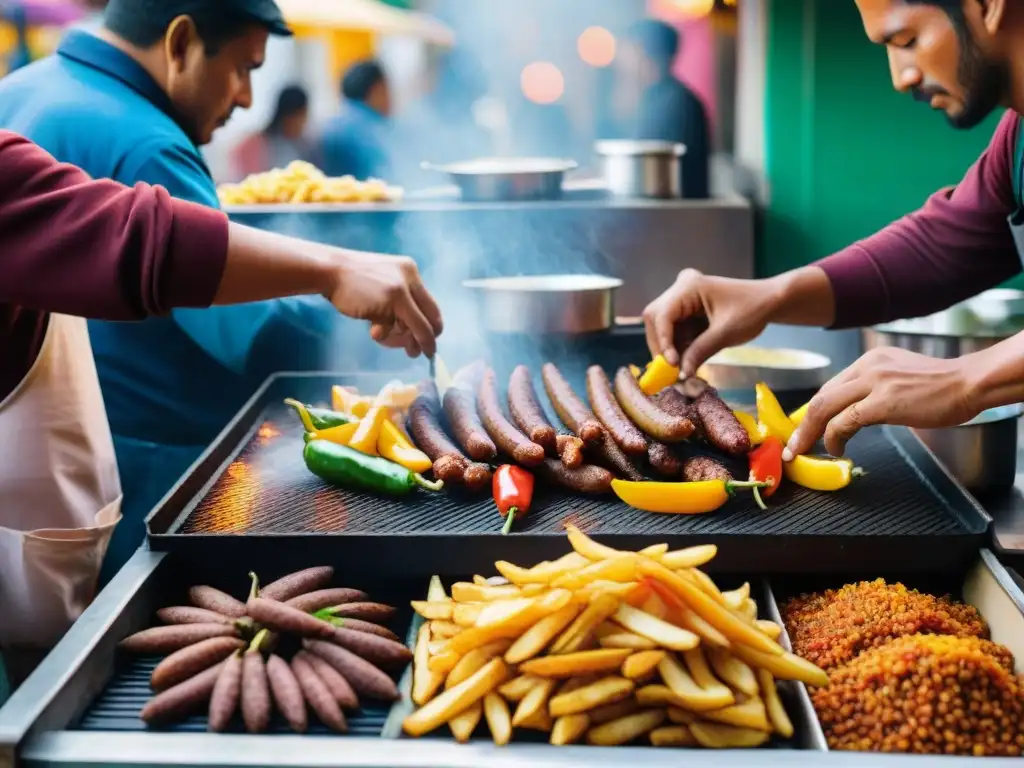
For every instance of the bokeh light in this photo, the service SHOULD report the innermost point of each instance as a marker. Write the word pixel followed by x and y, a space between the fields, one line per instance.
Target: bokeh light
pixel 682 9
pixel 596 46
pixel 542 82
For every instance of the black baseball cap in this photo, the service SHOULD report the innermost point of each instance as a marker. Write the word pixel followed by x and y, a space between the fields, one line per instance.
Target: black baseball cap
pixel 264 12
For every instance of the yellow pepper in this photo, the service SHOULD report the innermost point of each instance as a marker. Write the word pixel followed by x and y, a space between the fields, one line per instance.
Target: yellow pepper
pixel 342 435
pixel 678 498
pixel 821 474
pixel 770 414
pixel 392 444
pixel 754 431
pixel 798 415
pixel 342 399
pixel 365 438
pixel 659 374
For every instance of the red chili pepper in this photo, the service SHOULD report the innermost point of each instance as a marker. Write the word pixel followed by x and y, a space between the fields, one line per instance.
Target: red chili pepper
pixel 766 466
pixel 513 491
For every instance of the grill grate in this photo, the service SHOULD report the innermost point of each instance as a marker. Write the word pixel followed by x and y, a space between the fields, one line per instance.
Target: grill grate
pixel 267 490
pixel 117 708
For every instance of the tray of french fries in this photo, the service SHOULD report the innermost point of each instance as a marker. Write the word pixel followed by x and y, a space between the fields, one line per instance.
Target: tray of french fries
pixel 607 647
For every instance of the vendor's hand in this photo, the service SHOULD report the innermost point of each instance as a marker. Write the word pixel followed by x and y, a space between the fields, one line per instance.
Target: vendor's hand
pixel 389 293
pixel 885 386
pixel 700 315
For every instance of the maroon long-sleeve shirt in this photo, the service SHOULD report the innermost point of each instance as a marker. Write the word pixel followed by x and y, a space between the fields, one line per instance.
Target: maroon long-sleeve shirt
pixel 956 246
pixel 95 249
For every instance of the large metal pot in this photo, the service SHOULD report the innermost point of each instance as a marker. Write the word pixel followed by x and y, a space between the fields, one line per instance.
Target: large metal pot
pixel 493 179
pixel 536 304
pixel 642 168
pixel 981 454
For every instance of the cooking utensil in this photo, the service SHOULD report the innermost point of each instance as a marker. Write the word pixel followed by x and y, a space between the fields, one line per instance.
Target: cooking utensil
pixel 439 374
pixel 740 368
pixel 642 168
pixel 490 179
pixel 534 304
pixel 982 453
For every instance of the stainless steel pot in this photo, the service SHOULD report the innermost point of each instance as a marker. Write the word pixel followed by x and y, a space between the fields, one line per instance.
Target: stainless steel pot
pixel 535 304
pixel 492 179
pixel 642 168
pixel 981 454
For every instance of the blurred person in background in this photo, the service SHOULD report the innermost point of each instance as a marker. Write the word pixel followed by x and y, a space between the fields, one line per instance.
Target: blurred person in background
pixel 358 141
pixel 648 102
pixel 283 141
pixel 134 103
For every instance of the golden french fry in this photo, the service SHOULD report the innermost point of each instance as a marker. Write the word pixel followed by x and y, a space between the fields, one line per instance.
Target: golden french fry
pixel 733 671
pixel 464 592
pixel 770 628
pixel 655 606
pixel 655 695
pixel 443 707
pixel 610 712
pixel 464 723
pixel 534 701
pixel 513 625
pixel 498 719
pixel 750 714
pixel 715 736
pixel 537 637
pixel 569 729
pixel 466 614
pixel 706 585
pixel 692 696
pixel 681 716
pixel 579 663
pixel 655 551
pixel 436 647
pixel 445 661
pixel 691 557
pixel 473 660
pixel 435 592
pixel 617 569
pixel 608 690
pixel 517 688
pixel 776 711
pixel 587 547
pixel 627 640
pixel 703 676
pixel 480 581
pixel 661 632
pixel 443 630
pixel 592 591
pixel 424 682
pixel 726 622
pixel 441 611
pixel 788 666
pixel 672 736
pixel 736 597
pixel 540 721
pixel 749 611
pixel 542 573
pixel 532 590
pixel 640 665
pixel 625 729
pixel 596 613
pixel 501 610
pixel 687 619
pixel 606 629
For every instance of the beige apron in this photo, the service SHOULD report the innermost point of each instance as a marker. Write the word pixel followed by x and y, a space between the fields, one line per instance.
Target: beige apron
pixel 60 496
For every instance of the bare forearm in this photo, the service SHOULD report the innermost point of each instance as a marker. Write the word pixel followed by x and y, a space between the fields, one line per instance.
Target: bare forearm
pixel 996 374
pixel 802 297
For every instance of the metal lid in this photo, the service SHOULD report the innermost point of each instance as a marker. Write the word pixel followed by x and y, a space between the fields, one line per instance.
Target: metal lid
pixel 545 283
pixel 637 147
pixel 503 165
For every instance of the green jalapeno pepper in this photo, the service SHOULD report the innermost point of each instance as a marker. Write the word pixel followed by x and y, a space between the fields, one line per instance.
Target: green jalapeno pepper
pixel 315 419
pixel 340 465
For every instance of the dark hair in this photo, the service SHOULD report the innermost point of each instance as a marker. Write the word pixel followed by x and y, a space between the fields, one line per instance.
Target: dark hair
pixel 292 100
pixel 360 78
pixel 953 8
pixel 660 41
pixel 144 22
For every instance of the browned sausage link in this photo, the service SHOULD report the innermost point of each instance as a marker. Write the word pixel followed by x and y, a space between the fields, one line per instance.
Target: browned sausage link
pixel 692 387
pixel 426 432
pixel 645 414
pixel 570 450
pixel 607 409
pixel 701 468
pixel 527 412
pixel 675 403
pixel 664 461
pixel 588 478
pixel 573 412
pixel 609 455
pixel 721 427
pixel 183 699
pixel 477 477
pixel 460 408
pixel 505 434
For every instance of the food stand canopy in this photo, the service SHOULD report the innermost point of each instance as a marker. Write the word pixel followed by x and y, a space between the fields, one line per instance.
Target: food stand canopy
pixel 364 15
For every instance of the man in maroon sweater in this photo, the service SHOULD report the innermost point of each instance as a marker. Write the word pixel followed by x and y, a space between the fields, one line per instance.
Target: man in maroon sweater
pixel 966 58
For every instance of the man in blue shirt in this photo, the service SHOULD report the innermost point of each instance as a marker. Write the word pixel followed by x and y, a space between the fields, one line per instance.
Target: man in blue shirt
pixel 134 102
pixel 358 142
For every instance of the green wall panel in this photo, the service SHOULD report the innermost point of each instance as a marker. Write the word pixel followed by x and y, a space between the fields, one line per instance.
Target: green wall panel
pixel 846 154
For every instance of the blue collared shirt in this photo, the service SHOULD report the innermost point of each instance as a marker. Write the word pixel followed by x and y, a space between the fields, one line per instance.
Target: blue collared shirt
pixel 357 143
pixel 170 384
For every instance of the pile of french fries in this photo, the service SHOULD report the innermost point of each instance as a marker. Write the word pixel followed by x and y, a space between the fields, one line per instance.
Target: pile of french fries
pixel 604 647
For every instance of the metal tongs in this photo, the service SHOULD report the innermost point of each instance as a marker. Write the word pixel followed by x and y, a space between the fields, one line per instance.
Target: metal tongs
pixel 439 374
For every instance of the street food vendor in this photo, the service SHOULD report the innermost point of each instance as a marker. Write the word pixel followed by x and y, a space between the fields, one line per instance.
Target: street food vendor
pixel 75 248
pixel 965 58
pixel 134 102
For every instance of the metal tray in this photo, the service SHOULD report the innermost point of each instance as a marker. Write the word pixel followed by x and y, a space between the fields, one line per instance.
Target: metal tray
pixel 250 496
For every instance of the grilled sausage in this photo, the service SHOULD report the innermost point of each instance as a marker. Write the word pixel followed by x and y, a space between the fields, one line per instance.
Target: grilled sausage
pixel 226 693
pixel 607 409
pixel 364 611
pixel 469 432
pixel 298 583
pixel 335 682
pixel 324 598
pixel 426 431
pixel 505 434
pixel 701 468
pixel 366 626
pixel 527 412
pixel 609 455
pixel 187 614
pixel 570 450
pixel 214 600
pixel 477 477
pixel 288 696
pixel 366 679
pixel 664 461
pixel 573 412
pixel 255 692
pixel 159 640
pixel 317 694
pixel 721 428
pixel 645 414
pixel 285 618
pixel 191 660
pixel 183 699
pixel 376 650
pixel 589 479
pixel 673 402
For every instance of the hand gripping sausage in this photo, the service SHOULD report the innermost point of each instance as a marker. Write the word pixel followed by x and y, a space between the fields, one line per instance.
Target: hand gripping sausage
pixel 505 434
pixel 425 427
pixel 701 468
pixel 573 412
pixel 527 412
pixel 645 414
pixel 607 409
pixel 460 408
pixel 721 427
